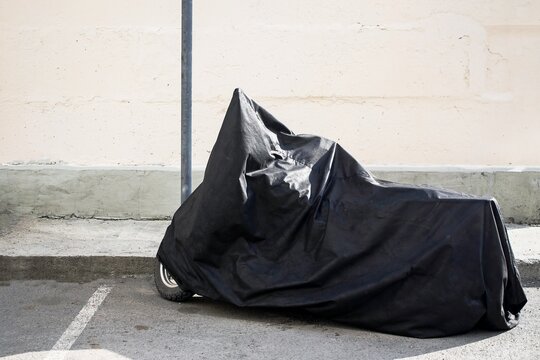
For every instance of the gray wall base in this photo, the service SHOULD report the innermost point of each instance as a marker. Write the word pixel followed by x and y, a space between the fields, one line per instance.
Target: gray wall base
pixel 154 192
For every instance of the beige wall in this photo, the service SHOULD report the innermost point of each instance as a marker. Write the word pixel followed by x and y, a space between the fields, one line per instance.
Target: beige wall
pixel 395 82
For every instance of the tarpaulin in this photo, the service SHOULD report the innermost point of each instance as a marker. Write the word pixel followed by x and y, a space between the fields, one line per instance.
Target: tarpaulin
pixel 285 220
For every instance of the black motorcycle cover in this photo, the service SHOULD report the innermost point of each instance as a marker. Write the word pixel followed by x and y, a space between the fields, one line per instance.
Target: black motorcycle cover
pixel 285 220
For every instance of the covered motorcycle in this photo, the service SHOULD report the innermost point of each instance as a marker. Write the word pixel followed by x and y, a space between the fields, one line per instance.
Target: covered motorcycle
pixel 285 220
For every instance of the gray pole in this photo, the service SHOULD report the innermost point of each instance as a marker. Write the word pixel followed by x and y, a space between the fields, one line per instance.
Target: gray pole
pixel 185 169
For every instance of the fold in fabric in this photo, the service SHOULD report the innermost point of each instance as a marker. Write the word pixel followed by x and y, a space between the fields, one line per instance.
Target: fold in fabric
pixel 285 220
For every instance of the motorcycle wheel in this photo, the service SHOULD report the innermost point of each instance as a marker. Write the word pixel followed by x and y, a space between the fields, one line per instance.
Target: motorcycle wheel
pixel 168 287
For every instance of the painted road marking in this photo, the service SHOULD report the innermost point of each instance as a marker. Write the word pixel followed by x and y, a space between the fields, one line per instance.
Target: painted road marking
pixel 78 324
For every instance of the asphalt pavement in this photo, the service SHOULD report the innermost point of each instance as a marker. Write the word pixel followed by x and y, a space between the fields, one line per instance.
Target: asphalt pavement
pixel 80 289
pixel 123 318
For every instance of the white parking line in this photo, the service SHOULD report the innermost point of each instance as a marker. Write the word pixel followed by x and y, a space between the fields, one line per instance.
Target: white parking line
pixel 78 324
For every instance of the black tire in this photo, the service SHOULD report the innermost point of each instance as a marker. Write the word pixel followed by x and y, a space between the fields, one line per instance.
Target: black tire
pixel 167 286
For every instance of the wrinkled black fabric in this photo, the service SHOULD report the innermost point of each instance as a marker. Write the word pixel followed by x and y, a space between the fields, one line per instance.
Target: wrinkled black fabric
pixel 287 220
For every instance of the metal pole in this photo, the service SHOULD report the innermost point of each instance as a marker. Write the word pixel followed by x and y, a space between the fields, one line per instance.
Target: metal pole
pixel 185 169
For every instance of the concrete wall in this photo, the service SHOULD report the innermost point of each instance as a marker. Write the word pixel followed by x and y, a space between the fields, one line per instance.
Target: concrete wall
pixel 90 94
pixel 395 82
